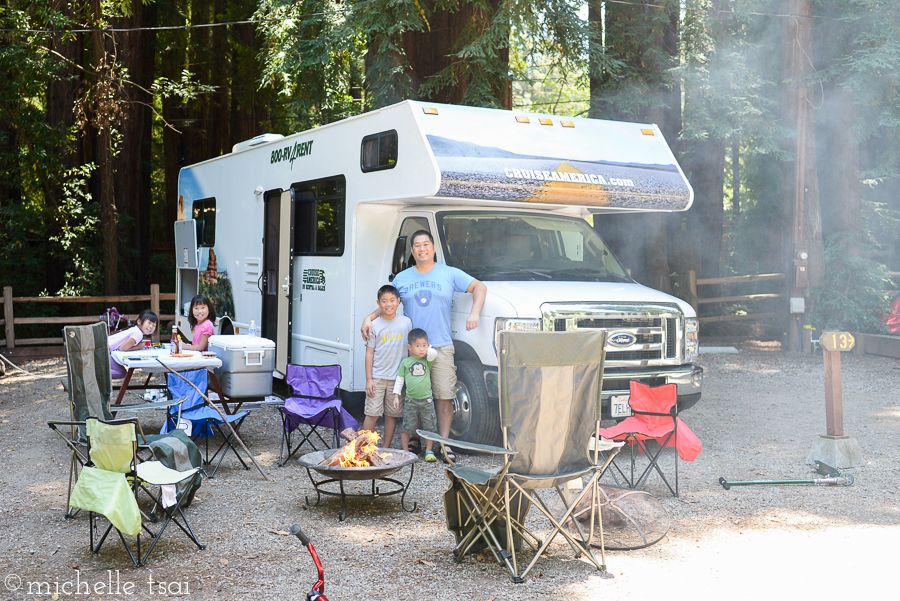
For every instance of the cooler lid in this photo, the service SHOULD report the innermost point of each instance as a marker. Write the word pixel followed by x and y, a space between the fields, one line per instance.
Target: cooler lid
pixel 239 342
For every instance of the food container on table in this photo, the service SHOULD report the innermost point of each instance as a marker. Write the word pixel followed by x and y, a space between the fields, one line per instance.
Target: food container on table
pixel 247 365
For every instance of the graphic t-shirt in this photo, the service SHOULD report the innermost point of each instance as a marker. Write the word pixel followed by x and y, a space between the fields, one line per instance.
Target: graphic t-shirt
pixel 416 372
pixel 428 297
pixel 203 328
pixel 389 341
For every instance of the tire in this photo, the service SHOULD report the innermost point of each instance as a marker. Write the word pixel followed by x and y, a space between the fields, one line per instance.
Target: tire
pixel 476 417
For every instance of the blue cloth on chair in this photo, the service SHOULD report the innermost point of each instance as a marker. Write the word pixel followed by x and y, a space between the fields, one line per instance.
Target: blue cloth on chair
pixel 194 408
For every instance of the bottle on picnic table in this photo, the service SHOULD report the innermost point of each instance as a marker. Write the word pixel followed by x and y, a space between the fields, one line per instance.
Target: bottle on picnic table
pixel 175 349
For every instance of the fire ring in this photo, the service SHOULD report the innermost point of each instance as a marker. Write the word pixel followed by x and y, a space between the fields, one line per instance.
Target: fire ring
pixel 377 474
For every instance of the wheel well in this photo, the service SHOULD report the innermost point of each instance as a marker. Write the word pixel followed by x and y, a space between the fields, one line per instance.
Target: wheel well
pixel 226 326
pixel 464 352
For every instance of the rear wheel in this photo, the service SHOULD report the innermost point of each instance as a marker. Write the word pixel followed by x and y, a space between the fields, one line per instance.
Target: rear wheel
pixel 476 417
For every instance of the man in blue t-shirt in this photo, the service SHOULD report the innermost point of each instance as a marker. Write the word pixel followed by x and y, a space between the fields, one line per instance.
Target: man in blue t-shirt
pixel 426 291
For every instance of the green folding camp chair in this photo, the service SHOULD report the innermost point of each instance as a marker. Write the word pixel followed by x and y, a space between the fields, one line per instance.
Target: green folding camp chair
pixel 549 412
pixel 90 389
pixel 110 481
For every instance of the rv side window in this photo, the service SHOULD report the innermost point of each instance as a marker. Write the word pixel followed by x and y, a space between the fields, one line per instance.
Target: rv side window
pixel 319 216
pixel 205 216
pixel 379 151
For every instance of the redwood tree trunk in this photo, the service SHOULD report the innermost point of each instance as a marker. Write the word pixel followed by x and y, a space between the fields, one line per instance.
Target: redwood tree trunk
pixel 428 51
pixel 132 165
pixel 108 213
pixel 640 241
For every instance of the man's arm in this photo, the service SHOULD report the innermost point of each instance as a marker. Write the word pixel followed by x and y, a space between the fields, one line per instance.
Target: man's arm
pixel 366 328
pixel 479 292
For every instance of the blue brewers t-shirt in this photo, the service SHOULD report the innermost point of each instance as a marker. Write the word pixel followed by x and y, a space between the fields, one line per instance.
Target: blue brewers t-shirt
pixel 428 297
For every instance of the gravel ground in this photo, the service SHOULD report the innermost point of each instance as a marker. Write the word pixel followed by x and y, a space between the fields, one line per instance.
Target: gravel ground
pixel 760 414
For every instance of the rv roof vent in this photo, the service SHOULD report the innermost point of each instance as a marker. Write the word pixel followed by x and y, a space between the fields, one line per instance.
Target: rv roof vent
pixel 257 141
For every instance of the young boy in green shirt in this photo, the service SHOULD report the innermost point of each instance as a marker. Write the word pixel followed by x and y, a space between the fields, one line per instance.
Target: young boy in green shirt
pixel 415 372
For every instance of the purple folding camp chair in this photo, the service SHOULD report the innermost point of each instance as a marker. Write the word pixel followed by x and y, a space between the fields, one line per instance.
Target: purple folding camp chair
pixel 316 402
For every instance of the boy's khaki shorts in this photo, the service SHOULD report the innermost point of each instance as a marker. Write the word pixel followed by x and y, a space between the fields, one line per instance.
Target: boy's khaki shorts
pixel 383 401
pixel 443 373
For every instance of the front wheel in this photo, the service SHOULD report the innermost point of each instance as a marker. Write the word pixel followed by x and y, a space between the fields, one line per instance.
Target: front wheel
pixel 476 417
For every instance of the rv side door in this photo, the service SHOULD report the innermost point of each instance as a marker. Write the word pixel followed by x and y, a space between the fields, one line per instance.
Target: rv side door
pixel 277 284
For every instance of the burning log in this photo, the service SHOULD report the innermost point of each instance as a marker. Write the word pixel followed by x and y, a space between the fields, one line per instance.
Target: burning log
pixel 361 450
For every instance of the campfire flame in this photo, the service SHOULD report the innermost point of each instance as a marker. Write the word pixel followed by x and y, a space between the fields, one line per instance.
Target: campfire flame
pixel 356 452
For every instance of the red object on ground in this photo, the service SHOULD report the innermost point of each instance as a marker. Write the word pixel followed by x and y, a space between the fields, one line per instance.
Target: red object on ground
pixel 892 319
pixel 656 400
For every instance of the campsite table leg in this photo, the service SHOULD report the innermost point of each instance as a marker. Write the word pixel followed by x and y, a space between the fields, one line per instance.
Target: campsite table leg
pixel 124 387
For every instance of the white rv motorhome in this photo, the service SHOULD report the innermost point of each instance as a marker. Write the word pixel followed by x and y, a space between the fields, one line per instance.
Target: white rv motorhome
pixel 299 232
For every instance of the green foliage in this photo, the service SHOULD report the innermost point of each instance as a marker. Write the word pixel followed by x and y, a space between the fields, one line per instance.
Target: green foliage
pixel 30 150
pixel 728 74
pixel 549 58
pixel 869 66
pixel 855 295
pixel 313 56
pixel 79 237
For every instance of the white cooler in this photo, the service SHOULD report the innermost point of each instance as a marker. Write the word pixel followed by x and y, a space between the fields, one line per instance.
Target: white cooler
pixel 247 365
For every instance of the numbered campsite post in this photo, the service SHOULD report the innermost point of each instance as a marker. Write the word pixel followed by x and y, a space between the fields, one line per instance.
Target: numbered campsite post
pixel 833 344
pixel 834 446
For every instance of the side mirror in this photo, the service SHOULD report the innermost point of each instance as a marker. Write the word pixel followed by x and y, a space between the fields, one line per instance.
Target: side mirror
pixel 397 264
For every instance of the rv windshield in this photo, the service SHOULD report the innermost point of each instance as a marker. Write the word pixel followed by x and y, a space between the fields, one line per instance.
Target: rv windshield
pixel 518 246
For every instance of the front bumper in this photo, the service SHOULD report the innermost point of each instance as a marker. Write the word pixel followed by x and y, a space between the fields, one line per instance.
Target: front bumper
pixel 688 379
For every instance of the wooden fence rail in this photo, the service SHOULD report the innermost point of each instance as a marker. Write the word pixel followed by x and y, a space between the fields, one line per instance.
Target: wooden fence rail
pixel 9 320
pixel 693 283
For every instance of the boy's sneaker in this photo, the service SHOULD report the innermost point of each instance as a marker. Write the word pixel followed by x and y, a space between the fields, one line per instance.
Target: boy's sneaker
pixel 430 457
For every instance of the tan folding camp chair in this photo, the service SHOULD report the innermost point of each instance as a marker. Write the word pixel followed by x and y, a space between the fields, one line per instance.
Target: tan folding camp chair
pixel 550 386
pixel 89 384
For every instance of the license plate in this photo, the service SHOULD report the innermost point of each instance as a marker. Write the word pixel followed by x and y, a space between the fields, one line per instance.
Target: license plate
pixel 618 405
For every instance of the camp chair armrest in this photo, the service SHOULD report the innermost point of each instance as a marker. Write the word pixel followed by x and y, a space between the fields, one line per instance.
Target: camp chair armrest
pixel 53 425
pixel 461 444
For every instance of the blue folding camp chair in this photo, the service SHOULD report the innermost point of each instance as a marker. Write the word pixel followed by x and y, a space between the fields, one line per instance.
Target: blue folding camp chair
pixel 204 421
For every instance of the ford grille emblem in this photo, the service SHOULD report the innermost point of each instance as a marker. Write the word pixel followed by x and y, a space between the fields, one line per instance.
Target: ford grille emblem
pixel 622 339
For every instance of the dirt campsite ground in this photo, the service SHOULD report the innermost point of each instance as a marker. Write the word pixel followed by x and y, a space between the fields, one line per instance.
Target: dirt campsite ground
pixel 760 414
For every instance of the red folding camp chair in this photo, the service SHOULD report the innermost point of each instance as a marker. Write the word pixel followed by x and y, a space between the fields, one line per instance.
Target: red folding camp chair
pixel 655 418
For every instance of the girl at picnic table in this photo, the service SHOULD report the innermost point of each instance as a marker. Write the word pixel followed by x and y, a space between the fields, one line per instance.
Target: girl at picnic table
pixel 131 339
pixel 202 316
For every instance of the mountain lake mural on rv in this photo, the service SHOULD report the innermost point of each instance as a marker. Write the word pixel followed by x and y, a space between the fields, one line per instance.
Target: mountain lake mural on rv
pixel 552 159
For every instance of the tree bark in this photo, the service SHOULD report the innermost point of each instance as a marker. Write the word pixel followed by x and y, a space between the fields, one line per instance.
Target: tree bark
pixel 249 107
pixel 706 171
pixel 640 241
pixel 428 52
pixel 802 208
pixel 61 94
pixel 132 165
pixel 103 117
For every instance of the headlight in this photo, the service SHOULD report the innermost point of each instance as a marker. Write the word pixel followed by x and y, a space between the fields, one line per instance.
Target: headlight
pixel 514 325
pixel 691 338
